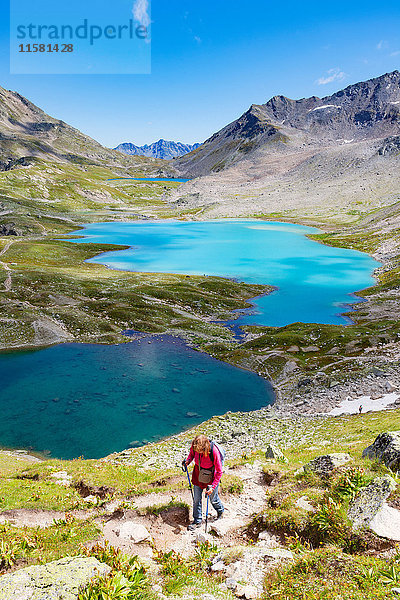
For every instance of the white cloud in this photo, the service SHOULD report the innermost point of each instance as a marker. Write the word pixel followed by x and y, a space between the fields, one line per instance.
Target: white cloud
pixel 331 75
pixel 140 10
pixel 382 45
pixel 197 39
pixel 395 53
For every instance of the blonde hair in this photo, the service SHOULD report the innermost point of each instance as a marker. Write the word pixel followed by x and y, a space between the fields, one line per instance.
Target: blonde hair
pixel 201 444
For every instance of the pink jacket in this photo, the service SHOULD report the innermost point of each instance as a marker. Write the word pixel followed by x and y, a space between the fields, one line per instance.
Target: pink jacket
pixel 206 463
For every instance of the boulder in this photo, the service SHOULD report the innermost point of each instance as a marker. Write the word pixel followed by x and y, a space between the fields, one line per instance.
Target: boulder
pixel 334 350
pixel 250 592
pixel 231 583
pixel 324 465
pixel 272 452
pixel 386 523
pixel 61 478
pixel 129 530
pixel 385 448
pixel 203 538
pixel 268 540
pixel 218 566
pixel 368 502
pixel 304 504
pixel 378 372
pixel 390 387
pixel 59 580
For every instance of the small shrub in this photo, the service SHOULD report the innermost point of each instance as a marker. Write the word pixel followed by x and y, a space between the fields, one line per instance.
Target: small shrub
pixel 126 581
pixel 175 570
pixel 348 483
pixel 204 554
pixel 233 485
pixel 390 576
pixel 8 554
pixel 296 544
pixel 231 555
pixel 114 587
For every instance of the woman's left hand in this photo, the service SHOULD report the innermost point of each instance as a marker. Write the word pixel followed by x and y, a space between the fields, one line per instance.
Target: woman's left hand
pixel 209 491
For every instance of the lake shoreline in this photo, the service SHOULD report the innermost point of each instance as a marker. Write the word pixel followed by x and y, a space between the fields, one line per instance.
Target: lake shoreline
pixel 290 398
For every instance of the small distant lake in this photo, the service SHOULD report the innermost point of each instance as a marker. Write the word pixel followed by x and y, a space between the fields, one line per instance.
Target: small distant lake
pixel 315 282
pixel 160 179
pixel 91 400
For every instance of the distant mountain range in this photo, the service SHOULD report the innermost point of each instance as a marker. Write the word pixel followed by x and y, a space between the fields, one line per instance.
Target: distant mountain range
pixel 360 113
pixel 162 149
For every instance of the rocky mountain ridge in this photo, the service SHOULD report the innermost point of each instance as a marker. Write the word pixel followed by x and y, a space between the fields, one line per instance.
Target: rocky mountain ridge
pixel 28 133
pixel 363 111
pixel 163 149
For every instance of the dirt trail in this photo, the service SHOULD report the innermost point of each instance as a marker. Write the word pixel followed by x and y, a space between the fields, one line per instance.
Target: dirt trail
pixel 168 529
pixel 33 517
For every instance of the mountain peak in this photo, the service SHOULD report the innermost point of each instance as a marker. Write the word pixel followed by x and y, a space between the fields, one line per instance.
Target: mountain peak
pixel 367 110
pixel 164 149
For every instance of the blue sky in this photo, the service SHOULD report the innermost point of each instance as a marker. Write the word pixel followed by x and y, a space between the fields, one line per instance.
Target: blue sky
pixel 212 59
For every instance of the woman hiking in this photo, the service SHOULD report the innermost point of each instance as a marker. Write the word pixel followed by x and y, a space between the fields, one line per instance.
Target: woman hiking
pixel 206 476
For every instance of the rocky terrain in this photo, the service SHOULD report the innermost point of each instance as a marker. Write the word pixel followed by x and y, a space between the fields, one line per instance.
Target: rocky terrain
pixel 164 149
pixel 311 508
pixel 28 133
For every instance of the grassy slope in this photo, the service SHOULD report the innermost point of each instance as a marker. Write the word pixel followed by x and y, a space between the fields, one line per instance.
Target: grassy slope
pixel 47 200
pixel 93 303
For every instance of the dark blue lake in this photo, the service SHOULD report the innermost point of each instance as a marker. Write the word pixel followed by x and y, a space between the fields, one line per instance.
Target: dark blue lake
pixel 91 400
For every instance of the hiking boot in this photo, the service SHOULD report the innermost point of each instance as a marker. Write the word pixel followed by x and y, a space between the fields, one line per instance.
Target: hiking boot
pixel 193 526
pixel 219 516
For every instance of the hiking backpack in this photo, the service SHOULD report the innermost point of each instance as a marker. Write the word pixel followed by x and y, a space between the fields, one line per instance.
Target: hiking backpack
pixel 219 449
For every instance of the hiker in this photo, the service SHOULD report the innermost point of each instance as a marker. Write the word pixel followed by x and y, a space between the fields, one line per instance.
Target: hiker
pixel 206 476
pixel 360 408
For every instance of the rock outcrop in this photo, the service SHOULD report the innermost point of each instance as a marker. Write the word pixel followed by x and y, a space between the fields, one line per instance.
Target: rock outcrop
pixel 386 448
pixel 324 465
pixel 272 452
pixel 369 501
pixel 58 580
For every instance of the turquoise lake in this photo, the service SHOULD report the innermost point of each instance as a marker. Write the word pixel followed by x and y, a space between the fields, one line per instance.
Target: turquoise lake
pixel 91 400
pixel 86 399
pixel 315 282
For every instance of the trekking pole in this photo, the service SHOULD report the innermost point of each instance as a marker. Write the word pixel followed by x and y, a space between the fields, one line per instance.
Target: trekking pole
pixel 184 468
pixel 208 498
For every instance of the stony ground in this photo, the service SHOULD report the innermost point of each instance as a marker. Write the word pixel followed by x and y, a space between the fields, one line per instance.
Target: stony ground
pixel 268 527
